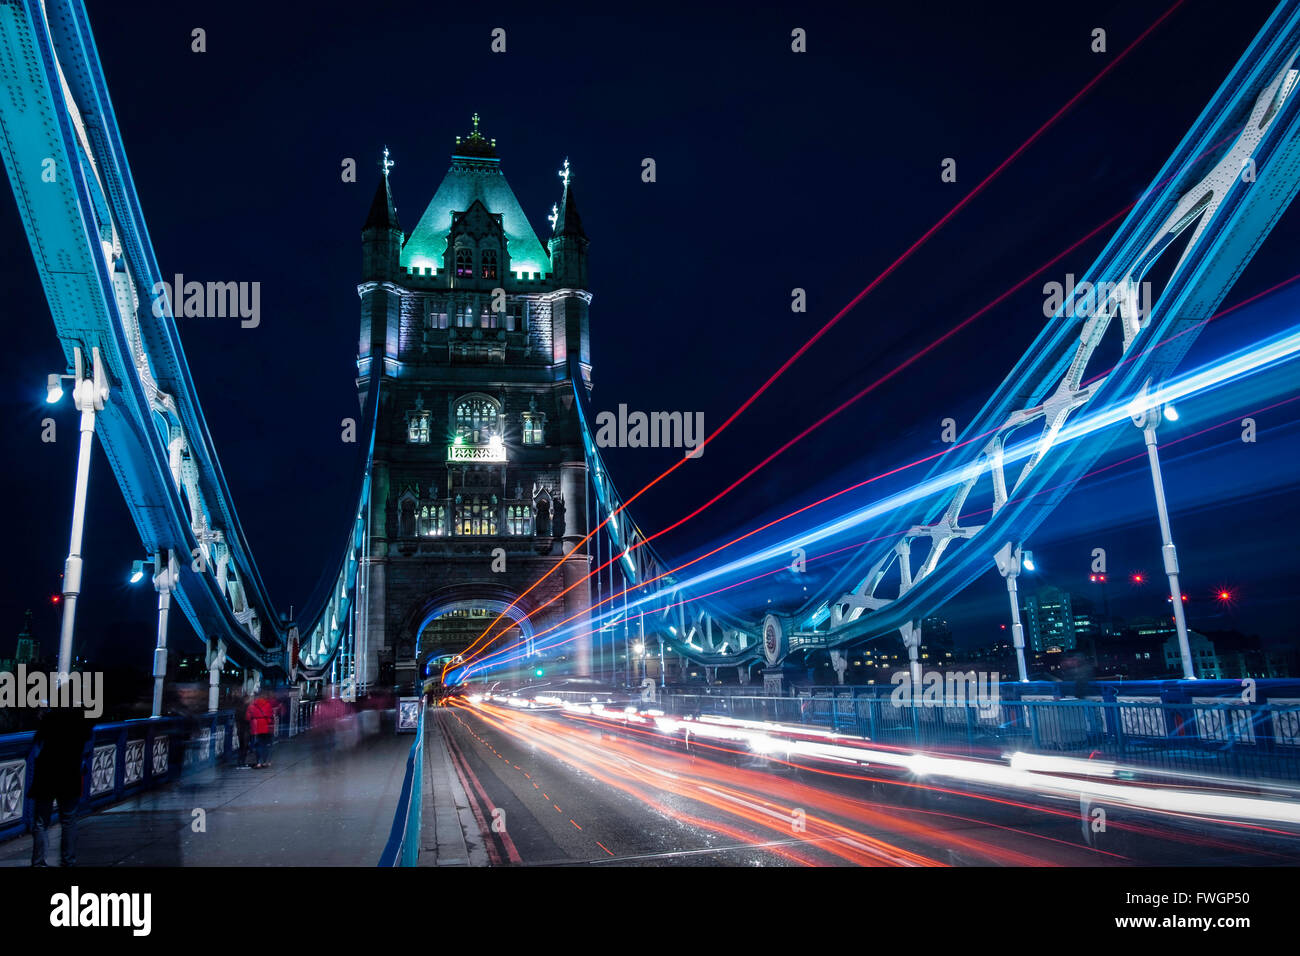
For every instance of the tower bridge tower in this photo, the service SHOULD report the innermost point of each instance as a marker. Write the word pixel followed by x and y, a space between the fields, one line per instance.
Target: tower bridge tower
pixel 479 477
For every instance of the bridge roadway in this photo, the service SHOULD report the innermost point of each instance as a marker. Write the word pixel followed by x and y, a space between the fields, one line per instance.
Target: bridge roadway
pixel 506 787
pixel 314 806
pixel 574 793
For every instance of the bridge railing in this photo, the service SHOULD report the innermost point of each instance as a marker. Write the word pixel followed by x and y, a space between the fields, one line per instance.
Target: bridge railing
pixel 121 760
pixel 1204 735
pixel 403 847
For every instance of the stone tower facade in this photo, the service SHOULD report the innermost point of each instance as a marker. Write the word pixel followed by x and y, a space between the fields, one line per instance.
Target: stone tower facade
pixel 479 481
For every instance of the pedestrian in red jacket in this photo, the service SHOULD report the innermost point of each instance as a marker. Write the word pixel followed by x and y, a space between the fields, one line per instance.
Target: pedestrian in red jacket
pixel 261 724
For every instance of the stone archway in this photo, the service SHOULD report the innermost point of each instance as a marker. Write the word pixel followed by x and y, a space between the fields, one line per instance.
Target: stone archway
pixel 451 622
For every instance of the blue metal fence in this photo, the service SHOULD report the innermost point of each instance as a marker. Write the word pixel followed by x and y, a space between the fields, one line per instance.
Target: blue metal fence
pixel 120 760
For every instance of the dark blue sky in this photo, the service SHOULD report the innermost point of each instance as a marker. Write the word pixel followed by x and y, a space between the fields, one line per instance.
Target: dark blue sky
pixel 775 170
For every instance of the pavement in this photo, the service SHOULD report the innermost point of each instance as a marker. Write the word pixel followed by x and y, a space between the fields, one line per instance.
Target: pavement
pixel 314 806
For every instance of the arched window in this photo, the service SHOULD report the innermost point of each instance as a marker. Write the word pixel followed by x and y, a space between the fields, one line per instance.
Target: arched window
pixel 475 420
pixel 476 515
pixel 432 520
pixel 417 427
pixel 489 260
pixel 533 428
pixel 465 263
pixel 519 519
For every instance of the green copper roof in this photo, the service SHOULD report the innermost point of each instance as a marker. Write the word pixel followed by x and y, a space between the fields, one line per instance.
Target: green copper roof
pixel 469 178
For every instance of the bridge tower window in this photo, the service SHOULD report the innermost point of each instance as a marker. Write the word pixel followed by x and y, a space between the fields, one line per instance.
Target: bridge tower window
pixel 475 421
pixel 533 429
pixel 417 425
pixel 519 519
pixel 476 515
pixel 464 263
pixel 432 521
pixel 489 262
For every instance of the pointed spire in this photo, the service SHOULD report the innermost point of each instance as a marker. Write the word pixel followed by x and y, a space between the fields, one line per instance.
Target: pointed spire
pixel 383 214
pixel 568 222
pixel 475 145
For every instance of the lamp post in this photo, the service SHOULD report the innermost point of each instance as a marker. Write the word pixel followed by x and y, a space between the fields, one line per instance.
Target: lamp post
pixel 88 396
pixel 1148 420
pixel 639 650
pixel 1010 562
pixel 164 580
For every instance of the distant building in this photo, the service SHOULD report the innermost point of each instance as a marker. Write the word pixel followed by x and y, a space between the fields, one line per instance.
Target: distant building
pixel 1205 662
pixel 1153 626
pixel 936 650
pixel 1245 655
pixel 1049 620
pixel 1088 625
pixel 1133 656
pixel 28 651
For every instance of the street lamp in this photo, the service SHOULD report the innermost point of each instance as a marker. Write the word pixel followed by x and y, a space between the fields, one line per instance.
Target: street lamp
pixel 88 396
pixel 639 650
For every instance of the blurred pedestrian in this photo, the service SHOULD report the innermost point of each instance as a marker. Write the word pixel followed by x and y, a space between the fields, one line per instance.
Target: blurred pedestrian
pixel 261 724
pixel 241 728
pixel 56 778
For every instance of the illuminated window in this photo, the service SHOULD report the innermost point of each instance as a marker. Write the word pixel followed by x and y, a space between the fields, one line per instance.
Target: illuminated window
pixel 476 515
pixel 489 259
pixel 475 421
pixel 417 427
pixel 533 429
pixel 432 520
pixel 519 519
pixel 465 263
pixel 436 313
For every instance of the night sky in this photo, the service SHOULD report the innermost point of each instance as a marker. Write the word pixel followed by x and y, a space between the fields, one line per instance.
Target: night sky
pixel 775 170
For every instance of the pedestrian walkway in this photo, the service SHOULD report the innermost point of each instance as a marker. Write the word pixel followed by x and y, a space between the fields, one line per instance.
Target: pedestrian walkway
pixel 449 834
pixel 314 806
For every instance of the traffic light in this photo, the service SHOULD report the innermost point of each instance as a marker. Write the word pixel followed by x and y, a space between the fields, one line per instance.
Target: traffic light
pixel 539 672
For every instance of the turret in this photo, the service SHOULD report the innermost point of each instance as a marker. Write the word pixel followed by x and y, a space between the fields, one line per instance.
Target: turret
pixel 381 236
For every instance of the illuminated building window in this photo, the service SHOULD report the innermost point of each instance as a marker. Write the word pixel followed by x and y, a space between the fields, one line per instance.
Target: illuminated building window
pixel 436 313
pixel 432 520
pixel 476 515
pixel 489 260
pixel 475 421
pixel 519 519
pixel 465 263
pixel 417 427
pixel 533 429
